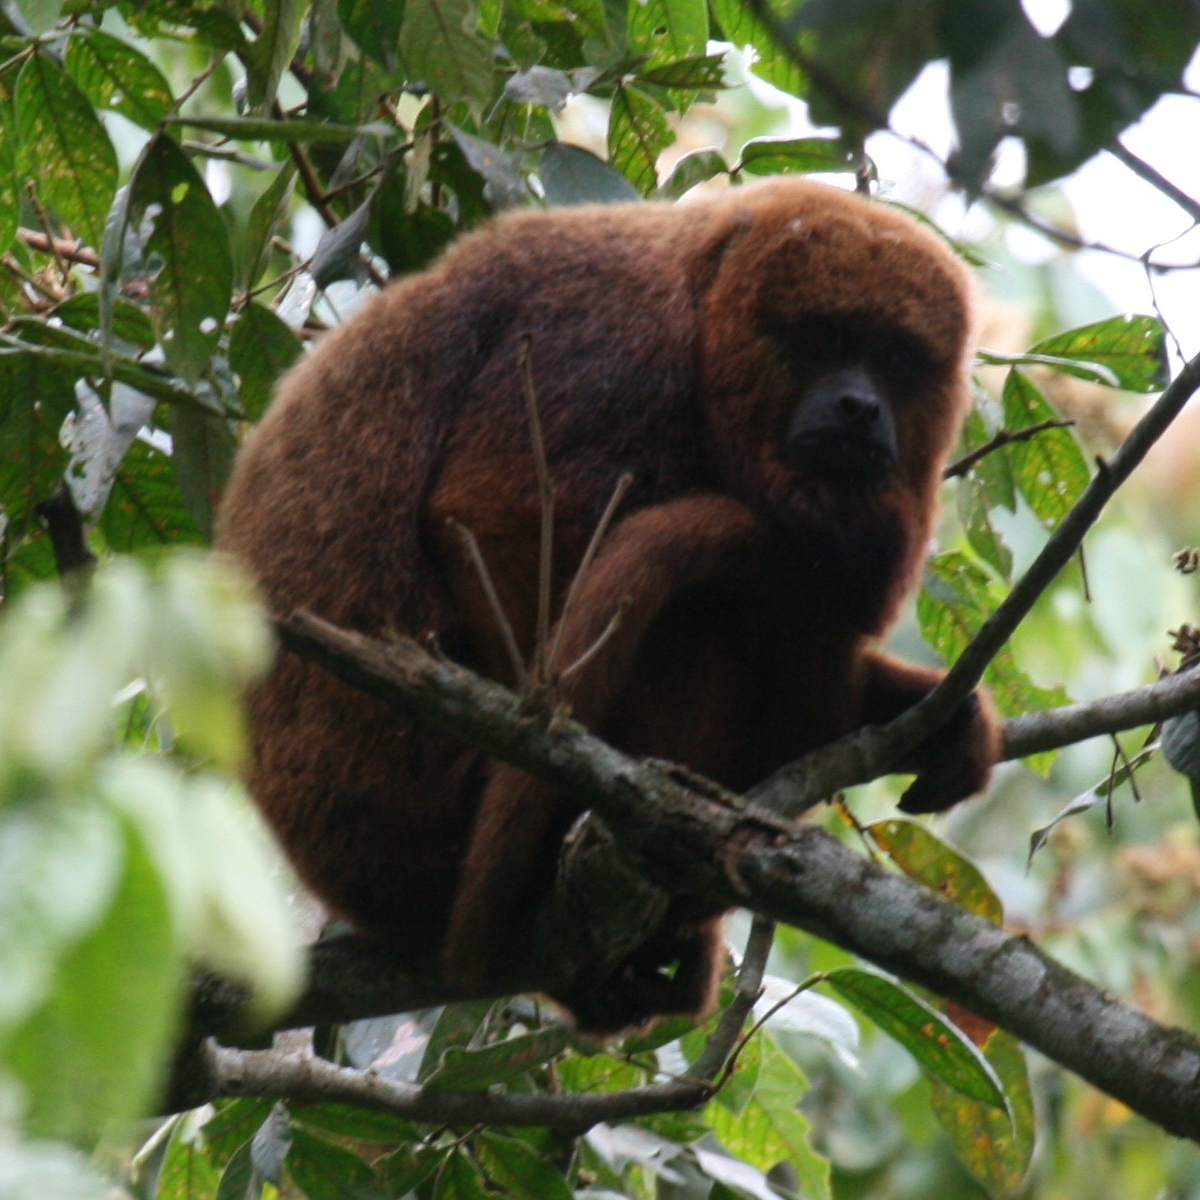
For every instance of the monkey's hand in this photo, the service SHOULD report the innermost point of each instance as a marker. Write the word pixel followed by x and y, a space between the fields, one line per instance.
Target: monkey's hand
pixel 956 760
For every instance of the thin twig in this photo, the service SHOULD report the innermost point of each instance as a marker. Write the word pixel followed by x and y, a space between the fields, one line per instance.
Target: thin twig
pixel 48 230
pixel 598 535
pixel 475 554
pixel 605 635
pixel 1004 438
pixel 197 83
pixel 541 670
pixel 1155 178
pixel 62 248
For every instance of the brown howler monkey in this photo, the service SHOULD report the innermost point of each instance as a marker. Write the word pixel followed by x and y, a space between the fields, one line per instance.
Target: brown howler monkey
pixel 782 369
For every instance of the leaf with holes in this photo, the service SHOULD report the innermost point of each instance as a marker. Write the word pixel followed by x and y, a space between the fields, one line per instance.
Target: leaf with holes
pixel 667 30
pixel 112 74
pixel 743 27
pixel 65 148
pixel 1049 469
pixel 185 248
pixel 638 133
pixel 145 508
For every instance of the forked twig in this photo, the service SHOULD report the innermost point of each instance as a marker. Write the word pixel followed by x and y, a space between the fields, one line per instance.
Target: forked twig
pixel 606 633
pixel 1006 437
pixel 475 554
pixel 606 517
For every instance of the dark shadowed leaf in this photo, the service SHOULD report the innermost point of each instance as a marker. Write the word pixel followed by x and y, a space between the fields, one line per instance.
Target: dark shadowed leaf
pixel 459 1179
pixel 185 247
pixel 187 1172
pixel 455 1029
pixel 405 1170
pixel 375 27
pixel 572 175
pixel 238 1176
pixel 267 216
pixel 129 323
pixel 112 74
pixel 699 74
pixel 439 46
pixel 539 85
pixel 65 148
pixel 1133 348
pixel 520 1170
pixel 203 450
pixel 9 207
pixel 233 1125
pixel 261 348
pixel 638 132
pixel 268 55
pixel 35 397
pixel 324 1171
pixel 776 156
pixel 929 860
pixel 503 184
pixel 697 167
pixel 338 252
pixel 145 508
pixel 359 1124
pixel 937 1044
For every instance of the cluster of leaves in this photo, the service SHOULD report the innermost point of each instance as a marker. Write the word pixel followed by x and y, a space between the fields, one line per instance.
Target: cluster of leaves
pixel 120 865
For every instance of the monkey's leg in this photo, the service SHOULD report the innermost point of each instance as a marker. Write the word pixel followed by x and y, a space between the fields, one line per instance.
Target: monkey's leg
pixel 647 561
pixel 951 764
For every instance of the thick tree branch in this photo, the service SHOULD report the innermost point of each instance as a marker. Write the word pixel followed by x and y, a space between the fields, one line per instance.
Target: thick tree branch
pixel 869 752
pixel 734 853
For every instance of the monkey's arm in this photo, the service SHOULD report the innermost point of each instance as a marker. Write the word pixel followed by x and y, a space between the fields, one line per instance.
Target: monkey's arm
pixel 951 764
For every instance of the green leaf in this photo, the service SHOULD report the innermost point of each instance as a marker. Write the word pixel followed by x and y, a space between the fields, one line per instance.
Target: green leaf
pixel 455 1028
pixel 952 605
pixel 439 46
pixel 35 397
pixel 237 1175
pixel 112 74
pixel 145 508
pixel 769 1129
pixel 203 446
pixel 258 129
pixel 778 156
pixel 468 1070
pixel 572 175
pixel 520 1170
pixel 268 56
pixel 692 74
pixel 598 1073
pixel 743 28
pixel 975 515
pixel 638 132
pixel 129 323
pixel 1049 469
pixel 9 204
pixel 697 167
pixel 65 148
pixel 994 1149
pixel 233 1124
pixel 187 1173
pixel 359 1124
pixel 1133 348
pixel 186 249
pixel 261 348
pixel 375 27
pixel 926 858
pixel 667 30
pixel 324 1171
pixel 267 217
pixel 937 1044
pixel 92 1053
pixel 459 1179
pixel 405 1170
pixel 59 868
pixel 739 1087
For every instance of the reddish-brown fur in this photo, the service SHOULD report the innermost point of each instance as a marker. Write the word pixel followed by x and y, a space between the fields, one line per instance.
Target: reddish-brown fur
pixel 666 341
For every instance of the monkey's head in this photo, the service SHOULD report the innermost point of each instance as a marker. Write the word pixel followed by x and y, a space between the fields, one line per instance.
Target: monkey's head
pixel 835 377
